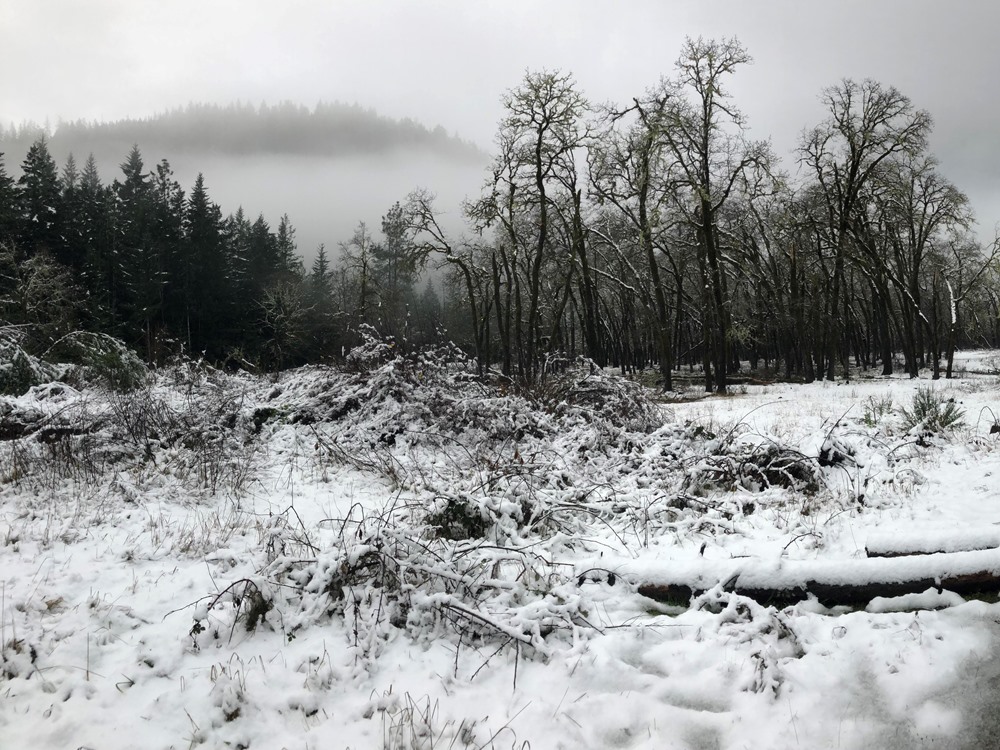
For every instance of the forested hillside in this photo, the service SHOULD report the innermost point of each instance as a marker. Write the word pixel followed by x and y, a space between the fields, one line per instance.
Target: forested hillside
pixel 241 129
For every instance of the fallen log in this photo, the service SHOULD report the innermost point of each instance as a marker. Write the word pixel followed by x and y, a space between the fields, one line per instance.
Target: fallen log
pixel 901 545
pixel 852 583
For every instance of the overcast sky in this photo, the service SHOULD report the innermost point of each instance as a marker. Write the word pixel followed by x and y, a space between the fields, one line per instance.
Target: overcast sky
pixel 448 62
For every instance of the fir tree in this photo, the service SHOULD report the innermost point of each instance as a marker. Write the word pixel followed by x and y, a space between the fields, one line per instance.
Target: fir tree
pixel 72 216
pixel 136 274
pixel 95 218
pixel 204 283
pixel 166 221
pixel 8 204
pixel 288 262
pixel 40 201
pixel 397 260
pixel 320 277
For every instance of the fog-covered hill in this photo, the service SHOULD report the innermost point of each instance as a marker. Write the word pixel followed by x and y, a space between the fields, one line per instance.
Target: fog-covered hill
pixel 329 167
pixel 241 129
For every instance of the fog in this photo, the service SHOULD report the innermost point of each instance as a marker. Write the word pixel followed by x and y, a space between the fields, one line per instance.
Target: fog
pixel 326 198
pixel 328 167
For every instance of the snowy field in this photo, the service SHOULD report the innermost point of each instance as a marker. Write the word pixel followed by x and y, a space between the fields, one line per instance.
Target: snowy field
pixel 401 557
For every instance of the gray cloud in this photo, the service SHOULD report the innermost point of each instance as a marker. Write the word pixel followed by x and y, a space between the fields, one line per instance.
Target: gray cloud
pixel 447 61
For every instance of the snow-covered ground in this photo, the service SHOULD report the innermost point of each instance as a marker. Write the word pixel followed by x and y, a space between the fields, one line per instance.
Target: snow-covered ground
pixel 402 557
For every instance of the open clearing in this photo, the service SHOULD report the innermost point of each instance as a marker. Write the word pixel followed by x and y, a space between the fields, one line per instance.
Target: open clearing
pixel 402 557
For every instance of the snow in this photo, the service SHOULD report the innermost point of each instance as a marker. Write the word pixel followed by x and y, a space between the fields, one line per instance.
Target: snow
pixel 930 599
pixel 933 541
pixel 134 557
pixel 780 575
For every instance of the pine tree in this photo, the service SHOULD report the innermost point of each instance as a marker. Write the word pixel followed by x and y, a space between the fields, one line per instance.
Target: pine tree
pixel 355 276
pixel 167 220
pixel 70 175
pixel 397 260
pixel 236 233
pixel 427 315
pixel 323 335
pixel 264 258
pixel 288 262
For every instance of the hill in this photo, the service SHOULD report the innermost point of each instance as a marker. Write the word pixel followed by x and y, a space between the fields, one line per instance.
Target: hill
pixel 238 129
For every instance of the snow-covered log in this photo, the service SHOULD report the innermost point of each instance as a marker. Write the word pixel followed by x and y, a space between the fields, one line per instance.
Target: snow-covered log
pixel 897 545
pixel 831 582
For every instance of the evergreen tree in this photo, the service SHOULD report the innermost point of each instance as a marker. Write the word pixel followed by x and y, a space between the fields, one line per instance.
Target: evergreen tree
pixel 427 315
pixel 264 258
pixel 137 271
pixel 288 262
pixel 320 278
pixel 236 233
pixel 323 335
pixel 95 219
pixel 204 282
pixel 70 175
pixel 40 202
pixel 72 218
pixel 397 259
pixel 167 222
pixel 355 277
pixel 8 204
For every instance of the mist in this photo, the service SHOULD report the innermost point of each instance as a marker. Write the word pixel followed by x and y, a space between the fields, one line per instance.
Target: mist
pixel 328 168
pixel 326 198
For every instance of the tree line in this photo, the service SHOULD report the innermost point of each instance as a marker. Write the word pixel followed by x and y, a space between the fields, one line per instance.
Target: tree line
pixel 657 233
pixel 650 233
pixel 167 273
pixel 241 128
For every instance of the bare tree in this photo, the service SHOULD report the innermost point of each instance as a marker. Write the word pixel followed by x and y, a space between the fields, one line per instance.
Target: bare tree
pixel 705 135
pixel 463 259
pixel 538 137
pixel 867 123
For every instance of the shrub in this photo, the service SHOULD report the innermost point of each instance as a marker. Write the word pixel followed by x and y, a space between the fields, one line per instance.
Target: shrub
pixel 583 387
pixel 932 412
pixel 457 520
pixel 100 357
pixel 18 370
pixel 875 408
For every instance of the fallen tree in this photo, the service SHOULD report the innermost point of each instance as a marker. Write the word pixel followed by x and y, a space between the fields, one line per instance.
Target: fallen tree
pixel 851 583
pixel 901 545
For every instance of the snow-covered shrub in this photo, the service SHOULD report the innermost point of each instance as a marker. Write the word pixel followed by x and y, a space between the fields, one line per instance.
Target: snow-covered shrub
pixel 875 409
pixel 386 572
pixel 100 358
pixel 769 632
pixel 19 370
pixel 17 659
pixel 457 519
pixel 932 412
pixel 584 387
pixel 737 465
pixel 202 439
pixel 836 450
pixel 373 351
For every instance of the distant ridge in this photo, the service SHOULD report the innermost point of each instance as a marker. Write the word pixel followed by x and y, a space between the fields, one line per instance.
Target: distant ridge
pixel 244 129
